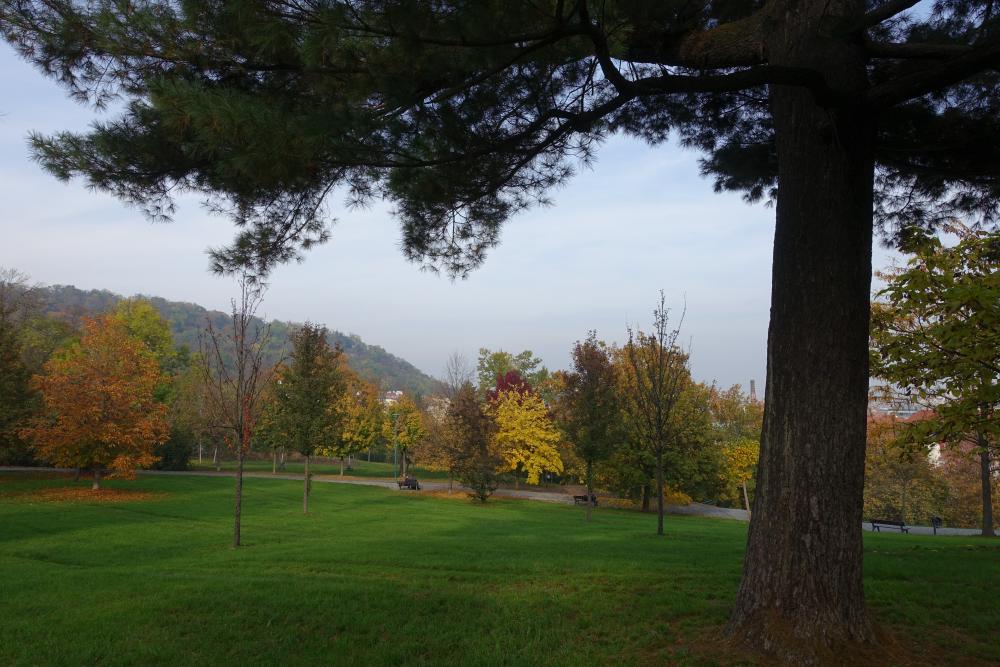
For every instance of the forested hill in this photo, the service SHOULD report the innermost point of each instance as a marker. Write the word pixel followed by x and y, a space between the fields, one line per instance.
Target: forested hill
pixel 187 319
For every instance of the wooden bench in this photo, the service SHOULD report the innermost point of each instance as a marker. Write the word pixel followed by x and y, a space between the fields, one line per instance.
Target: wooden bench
pixel 884 523
pixel 408 483
pixel 582 499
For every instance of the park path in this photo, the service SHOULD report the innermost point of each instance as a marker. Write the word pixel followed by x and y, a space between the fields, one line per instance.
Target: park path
pixel 560 497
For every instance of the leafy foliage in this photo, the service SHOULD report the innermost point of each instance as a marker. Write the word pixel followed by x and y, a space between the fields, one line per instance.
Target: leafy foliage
pixel 471 431
pixel 936 336
pixel 99 403
pixel 308 393
pixel 525 435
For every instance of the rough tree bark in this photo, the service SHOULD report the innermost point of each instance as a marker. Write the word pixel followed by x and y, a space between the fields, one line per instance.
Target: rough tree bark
pixel 801 596
pixel 986 477
pixel 590 488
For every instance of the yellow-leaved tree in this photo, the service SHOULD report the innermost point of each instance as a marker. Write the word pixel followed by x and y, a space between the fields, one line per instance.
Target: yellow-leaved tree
pixel 403 428
pixel 362 420
pixel 526 436
pixel 740 458
pixel 100 409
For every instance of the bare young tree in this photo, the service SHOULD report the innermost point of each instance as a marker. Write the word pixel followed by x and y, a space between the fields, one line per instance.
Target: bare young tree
pixel 235 376
pixel 19 297
pixel 658 375
pixel 457 371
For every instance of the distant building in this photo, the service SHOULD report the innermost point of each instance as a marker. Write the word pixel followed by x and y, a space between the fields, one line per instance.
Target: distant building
pixel 391 397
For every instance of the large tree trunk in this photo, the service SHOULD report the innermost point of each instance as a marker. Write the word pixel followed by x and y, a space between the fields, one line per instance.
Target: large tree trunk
pixel 305 488
pixel 590 488
pixel 96 486
pixel 645 497
pixel 987 481
pixel 239 498
pixel 274 461
pixel 801 597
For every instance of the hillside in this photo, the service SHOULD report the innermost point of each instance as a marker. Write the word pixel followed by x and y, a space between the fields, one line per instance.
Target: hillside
pixel 187 319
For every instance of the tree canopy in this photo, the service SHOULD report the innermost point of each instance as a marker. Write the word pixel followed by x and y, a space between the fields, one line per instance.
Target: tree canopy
pixel 99 404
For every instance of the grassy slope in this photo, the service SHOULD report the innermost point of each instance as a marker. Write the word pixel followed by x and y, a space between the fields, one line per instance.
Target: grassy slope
pixel 376 577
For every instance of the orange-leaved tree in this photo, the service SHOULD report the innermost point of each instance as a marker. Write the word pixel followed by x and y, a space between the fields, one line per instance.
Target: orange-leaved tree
pixel 100 409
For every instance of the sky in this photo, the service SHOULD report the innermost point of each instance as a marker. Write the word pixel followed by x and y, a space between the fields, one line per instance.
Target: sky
pixel 639 220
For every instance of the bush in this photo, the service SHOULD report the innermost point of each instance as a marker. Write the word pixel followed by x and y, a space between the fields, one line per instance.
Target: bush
pixel 175 453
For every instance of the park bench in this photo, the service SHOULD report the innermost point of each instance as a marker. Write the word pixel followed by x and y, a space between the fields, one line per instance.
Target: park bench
pixel 884 523
pixel 408 483
pixel 582 499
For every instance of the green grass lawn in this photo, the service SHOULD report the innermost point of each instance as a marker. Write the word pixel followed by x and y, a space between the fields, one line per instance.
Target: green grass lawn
pixel 324 467
pixel 376 577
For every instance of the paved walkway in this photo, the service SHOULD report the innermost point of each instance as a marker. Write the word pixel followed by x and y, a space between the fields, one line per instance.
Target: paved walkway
pixel 560 497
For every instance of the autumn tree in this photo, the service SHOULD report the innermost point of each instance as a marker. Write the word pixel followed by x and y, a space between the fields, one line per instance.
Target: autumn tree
pixel 525 435
pixel 936 337
pixel 235 377
pixel 362 418
pixel 144 322
pixel 901 483
pixel 736 420
pixel 99 405
pixel 471 432
pixel 403 427
pixel 308 396
pixel 657 374
pixel 440 448
pixel 844 113
pixel 589 406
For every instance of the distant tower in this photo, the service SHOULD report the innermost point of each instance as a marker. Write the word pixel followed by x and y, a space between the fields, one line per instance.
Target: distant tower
pixel 753 391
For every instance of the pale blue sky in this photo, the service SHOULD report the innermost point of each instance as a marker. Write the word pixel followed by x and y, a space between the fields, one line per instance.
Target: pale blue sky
pixel 640 220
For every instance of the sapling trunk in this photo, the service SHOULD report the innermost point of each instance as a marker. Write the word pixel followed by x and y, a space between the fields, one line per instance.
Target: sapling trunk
pixel 305 489
pixel 987 482
pixel 590 488
pixel 659 490
pixel 239 498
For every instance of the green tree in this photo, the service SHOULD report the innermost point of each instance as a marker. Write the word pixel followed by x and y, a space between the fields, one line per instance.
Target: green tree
pixel 589 406
pixel 465 114
pixel 143 322
pixel 17 400
pixel 656 378
pixel 936 336
pixel 491 366
pixel 307 396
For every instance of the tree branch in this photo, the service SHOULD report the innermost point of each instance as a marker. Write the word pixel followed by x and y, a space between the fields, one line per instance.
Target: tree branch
pixel 915 51
pixel 935 77
pixel 886 12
